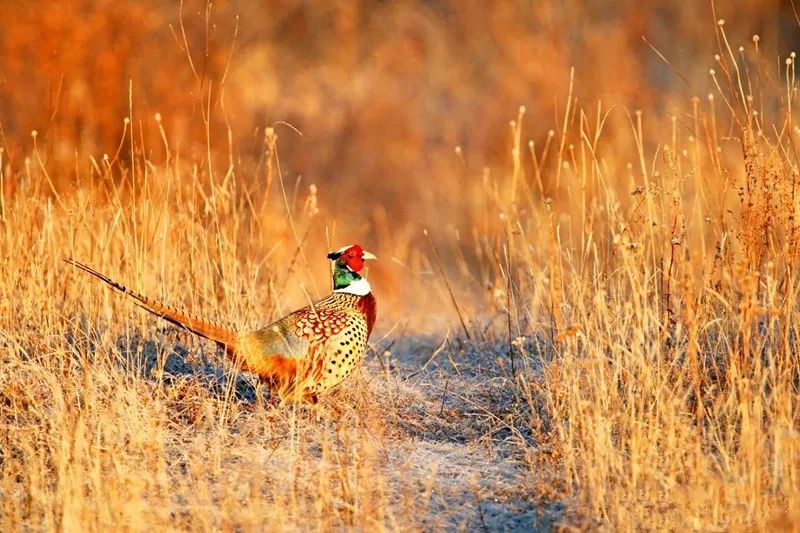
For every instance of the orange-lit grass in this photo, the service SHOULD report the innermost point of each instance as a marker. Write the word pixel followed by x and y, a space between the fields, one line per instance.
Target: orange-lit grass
pixel 645 297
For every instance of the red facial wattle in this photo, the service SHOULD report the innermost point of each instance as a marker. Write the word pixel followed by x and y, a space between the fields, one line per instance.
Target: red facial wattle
pixel 353 256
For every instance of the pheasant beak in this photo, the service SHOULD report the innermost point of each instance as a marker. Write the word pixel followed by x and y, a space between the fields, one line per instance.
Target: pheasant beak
pixel 368 255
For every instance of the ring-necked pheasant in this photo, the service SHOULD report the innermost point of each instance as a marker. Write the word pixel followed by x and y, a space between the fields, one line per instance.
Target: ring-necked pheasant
pixel 304 353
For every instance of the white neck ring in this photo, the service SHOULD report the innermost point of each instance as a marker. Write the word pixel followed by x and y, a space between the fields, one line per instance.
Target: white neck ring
pixel 359 287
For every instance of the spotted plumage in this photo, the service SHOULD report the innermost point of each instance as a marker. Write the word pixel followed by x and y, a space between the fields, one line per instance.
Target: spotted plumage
pixel 303 354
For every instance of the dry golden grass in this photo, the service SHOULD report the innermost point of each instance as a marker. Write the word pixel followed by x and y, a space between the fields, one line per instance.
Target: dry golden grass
pixel 595 331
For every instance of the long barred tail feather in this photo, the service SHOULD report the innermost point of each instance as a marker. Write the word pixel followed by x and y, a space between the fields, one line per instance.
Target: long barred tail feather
pixel 200 326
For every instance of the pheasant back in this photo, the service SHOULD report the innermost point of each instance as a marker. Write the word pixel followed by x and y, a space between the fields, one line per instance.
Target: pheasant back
pixel 312 349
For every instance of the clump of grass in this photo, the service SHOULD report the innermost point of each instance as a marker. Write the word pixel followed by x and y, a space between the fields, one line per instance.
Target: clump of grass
pixel 671 387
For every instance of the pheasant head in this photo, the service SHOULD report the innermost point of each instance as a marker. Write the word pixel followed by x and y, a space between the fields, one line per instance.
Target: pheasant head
pixel 348 262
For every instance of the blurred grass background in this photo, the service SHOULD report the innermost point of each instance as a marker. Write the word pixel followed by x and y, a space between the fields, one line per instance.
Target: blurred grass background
pixel 382 91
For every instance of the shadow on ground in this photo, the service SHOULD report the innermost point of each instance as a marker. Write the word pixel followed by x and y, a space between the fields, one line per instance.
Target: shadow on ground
pixel 170 361
pixel 458 418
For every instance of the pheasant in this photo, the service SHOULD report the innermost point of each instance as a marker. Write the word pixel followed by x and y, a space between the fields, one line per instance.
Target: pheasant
pixel 305 353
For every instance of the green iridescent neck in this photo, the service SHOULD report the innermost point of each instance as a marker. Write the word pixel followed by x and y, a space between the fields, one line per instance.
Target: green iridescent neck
pixel 343 276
